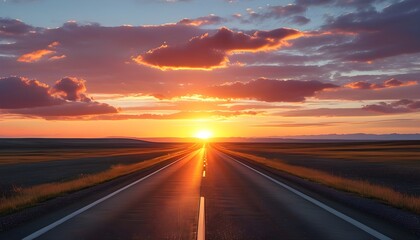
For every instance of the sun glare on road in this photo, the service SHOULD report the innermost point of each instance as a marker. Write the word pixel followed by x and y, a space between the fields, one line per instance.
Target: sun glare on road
pixel 204 134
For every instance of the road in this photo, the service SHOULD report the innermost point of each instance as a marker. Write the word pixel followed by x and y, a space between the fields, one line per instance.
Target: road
pixel 237 202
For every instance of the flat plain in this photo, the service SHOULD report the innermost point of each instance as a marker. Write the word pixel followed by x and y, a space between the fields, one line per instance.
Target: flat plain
pixel 30 162
pixel 394 164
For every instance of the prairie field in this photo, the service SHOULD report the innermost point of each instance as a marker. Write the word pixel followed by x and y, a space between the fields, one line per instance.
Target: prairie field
pixel 394 164
pixel 30 162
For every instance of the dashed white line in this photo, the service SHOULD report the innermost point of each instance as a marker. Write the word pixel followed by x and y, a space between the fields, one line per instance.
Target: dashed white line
pixel 201 233
pixel 87 207
pixel 331 210
pixel 204 173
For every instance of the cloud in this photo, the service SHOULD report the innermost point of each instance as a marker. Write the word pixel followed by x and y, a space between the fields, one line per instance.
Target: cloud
pixel 71 89
pixel 37 55
pixel 178 115
pixel 377 35
pixel 358 4
pixel 31 97
pixel 401 106
pixel 396 107
pixel 67 109
pixel 207 52
pixel 13 27
pixel 410 91
pixel 271 12
pixel 283 11
pixel 327 112
pixel 16 92
pixel 34 56
pixel 300 20
pixel 269 90
pixel 287 125
pixel 313 2
pixel 201 21
pixel 387 84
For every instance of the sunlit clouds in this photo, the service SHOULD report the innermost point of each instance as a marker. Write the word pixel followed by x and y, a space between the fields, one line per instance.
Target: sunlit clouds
pixel 237 68
pixel 207 52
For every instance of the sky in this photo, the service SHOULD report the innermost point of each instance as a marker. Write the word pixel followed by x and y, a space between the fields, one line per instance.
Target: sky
pixel 236 68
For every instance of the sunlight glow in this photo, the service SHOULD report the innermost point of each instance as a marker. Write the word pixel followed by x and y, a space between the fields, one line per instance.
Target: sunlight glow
pixel 204 134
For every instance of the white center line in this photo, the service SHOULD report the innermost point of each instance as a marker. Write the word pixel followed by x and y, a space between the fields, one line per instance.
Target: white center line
pixel 331 210
pixel 87 207
pixel 204 173
pixel 201 233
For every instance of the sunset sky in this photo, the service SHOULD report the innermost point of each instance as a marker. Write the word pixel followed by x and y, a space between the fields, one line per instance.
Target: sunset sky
pixel 245 68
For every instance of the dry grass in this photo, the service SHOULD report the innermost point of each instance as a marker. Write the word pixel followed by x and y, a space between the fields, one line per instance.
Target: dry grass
pixel 41 155
pixel 356 151
pixel 363 188
pixel 26 197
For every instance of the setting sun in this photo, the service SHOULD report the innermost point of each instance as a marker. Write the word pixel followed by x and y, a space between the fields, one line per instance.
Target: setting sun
pixel 204 134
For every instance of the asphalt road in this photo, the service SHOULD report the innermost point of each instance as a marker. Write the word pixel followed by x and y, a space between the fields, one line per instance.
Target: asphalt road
pixel 237 202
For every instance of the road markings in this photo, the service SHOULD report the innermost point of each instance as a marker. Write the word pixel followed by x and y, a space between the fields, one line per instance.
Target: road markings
pixel 204 173
pixel 201 233
pixel 87 207
pixel 331 210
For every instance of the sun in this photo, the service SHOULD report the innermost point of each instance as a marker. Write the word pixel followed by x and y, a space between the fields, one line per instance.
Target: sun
pixel 203 134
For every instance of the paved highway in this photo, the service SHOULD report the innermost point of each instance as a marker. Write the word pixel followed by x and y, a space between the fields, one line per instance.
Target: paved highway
pixel 208 195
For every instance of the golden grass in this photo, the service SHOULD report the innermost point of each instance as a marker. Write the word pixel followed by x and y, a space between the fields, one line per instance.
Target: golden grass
pixel 30 196
pixel 41 155
pixel 372 152
pixel 360 187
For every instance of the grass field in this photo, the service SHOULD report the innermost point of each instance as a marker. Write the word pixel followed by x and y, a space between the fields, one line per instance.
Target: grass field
pixel 32 171
pixel 393 164
pixel 384 175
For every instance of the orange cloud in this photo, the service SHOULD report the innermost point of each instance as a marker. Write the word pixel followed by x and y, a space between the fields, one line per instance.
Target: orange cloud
pixel 54 58
pixel 207 52
pixel 39 54
pixel 35 55
pixel 374 86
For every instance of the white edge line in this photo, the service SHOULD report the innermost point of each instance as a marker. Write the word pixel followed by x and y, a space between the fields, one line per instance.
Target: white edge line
pixel 331 210
pixel 201 232
pixel 83 209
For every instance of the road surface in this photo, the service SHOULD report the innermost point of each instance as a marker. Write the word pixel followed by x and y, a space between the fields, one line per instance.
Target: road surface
pixel 208 195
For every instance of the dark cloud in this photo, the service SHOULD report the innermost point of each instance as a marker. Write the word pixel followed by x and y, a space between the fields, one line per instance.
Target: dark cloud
pixel 13 27
pixel 401 106
pixel 269 90
pixel 389 93
pixel 71 89
pixel 376 35
pixel 207 51
pixel 16 92
pixel 300 20
pixel 34 98
pixel 67 109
